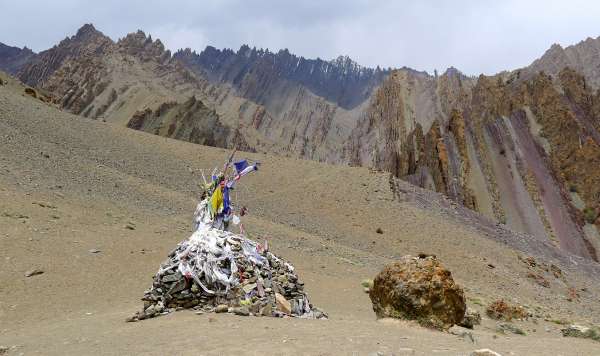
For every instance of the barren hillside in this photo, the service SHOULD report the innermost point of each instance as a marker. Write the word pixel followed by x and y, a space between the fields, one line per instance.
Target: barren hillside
pixel 520 147
pixel 70 185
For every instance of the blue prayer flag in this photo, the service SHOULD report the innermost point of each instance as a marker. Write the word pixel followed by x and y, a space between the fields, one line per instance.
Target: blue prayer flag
pixel 241 165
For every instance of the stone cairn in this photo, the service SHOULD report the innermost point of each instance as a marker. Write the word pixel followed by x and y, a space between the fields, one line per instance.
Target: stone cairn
pixel 218 271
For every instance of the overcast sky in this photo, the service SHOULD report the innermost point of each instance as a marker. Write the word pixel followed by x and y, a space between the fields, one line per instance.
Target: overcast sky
pixel 475 36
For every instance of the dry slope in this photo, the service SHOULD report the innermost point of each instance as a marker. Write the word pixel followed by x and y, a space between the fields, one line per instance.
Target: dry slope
pixel 69 186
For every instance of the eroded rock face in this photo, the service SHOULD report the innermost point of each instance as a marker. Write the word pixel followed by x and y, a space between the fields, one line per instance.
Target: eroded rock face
pixel 418 289
pixel 509 146
pixel 189 121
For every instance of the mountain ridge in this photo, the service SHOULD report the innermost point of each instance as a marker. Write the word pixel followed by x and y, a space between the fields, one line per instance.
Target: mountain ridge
pixel 336 80
pixel 490 143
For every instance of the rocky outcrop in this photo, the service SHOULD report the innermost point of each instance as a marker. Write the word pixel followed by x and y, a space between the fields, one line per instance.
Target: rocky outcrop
pixel 85 48
pixel 12 59
pixel 419 289
pixel 73 71
pixel 514 149
pixel 139 45
pixel 189 121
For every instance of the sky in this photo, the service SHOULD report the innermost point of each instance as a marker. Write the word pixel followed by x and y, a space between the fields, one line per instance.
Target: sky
pixel 476 37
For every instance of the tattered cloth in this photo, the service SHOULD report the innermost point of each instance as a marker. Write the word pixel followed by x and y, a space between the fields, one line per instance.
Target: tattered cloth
pixel 215 267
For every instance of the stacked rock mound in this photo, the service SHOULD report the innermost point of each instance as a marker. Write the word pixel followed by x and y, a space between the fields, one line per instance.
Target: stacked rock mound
pixel 421 289
pixel 217 270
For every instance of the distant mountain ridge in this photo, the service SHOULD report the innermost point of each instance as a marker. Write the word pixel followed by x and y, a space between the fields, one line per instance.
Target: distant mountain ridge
pixel 582 57
pixel 12 59
pixel 521 147
pixel 341 81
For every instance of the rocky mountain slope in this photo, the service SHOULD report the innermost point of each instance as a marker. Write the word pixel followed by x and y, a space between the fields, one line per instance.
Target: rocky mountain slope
pixel 520 147
pixel 523 152
pixel 13 58
pixel 259 74
pixel 581 57
pixel 90 75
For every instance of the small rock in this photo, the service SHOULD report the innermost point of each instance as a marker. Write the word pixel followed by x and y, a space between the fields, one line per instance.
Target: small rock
pixel 170 278
pixel 194 289
pixel 255 308
pixel 379 230
pixel 150 311
pixel 574 330
pixel 581 332
pixel 249 287
pixel 130 227
pixel 506 327
pixel 283 304
pixel 222 308
pixel 484 352
pixel 462 332
pixel 242 311
pixel 33 272
pixel 94 250
pixel 267 310
pixel 472 318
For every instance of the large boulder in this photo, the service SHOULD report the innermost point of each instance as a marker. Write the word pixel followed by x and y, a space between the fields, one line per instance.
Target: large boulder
pixel 421 289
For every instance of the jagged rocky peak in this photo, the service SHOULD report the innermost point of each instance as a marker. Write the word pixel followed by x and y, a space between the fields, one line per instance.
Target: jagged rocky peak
pixel 584 57
pixel 86 35
pixel 12 59
pixel 453 72
pixel 88 30
pixel 143 46
pixel 87 43
pixel 555 48
pixel 347 65
pixel 341 80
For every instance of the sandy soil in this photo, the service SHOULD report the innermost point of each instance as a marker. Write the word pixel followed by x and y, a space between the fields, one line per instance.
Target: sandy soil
pixel 69 185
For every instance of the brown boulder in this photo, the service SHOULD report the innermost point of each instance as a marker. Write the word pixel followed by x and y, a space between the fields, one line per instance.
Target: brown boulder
pixel 418 289
pixel 283 304
pixel 501 310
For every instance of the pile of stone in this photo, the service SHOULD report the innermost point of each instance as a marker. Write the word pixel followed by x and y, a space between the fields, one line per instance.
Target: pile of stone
pixel 220 271
pixel 216 270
